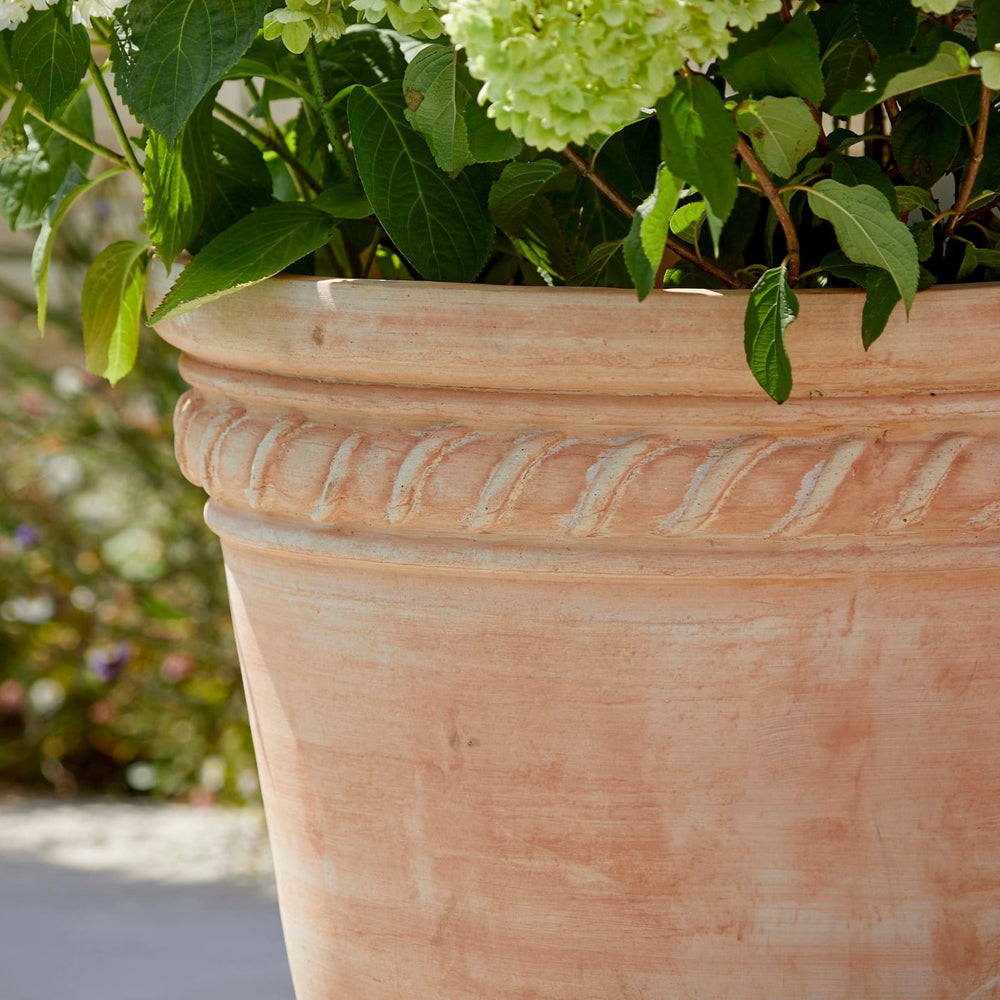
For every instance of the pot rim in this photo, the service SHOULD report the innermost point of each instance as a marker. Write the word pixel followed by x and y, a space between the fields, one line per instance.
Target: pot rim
pixel 583 340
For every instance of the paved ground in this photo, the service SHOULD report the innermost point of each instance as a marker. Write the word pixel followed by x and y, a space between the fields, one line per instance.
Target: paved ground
pixel 112 901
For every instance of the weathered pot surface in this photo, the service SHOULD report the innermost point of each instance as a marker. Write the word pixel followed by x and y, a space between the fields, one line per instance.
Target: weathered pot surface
pixel 579 670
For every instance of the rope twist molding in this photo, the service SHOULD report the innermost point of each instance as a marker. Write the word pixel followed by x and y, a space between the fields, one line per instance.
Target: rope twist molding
pixel 461 479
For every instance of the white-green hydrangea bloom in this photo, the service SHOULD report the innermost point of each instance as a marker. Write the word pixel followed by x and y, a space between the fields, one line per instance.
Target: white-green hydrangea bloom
pixel 84 10
pixel 15 12
pixel 300 20
pixel 936 6
pixel 409 17
pixel 557 72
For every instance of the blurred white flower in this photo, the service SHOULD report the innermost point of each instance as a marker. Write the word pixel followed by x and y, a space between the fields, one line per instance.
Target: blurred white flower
pixel 29 610
pixel 213 773
pixel 247 783
pixel 83 598
pixel 67 381
pixel 46 696
pixel 135 553
pixel 140 776
pixel 60 474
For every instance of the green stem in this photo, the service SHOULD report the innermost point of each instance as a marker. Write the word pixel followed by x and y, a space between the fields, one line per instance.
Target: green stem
pixel 337 144
pixel 77 138
pixel 116 123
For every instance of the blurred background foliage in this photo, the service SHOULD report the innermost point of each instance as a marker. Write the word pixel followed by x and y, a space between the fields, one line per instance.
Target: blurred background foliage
pixel 118 671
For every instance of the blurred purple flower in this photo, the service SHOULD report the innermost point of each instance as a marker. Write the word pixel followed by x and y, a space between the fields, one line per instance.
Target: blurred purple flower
pixel 27 536
pixel 107 663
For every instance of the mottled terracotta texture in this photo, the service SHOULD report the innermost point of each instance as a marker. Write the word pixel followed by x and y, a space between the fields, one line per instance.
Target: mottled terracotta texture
pixel 581 671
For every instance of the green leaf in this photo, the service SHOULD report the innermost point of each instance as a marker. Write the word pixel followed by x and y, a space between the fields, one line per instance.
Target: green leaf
pixel 855 170
pixel 364 54
pixel 112 308
pixel 177 183
pixel 975 257
pixel 960 98
pixel 839 265
pixel 687 222
pixel 888 25
pixel 911 196
pixel 344 201
pixel 628 161
pixel 988 63
pixel 925 142
pixel 969 263
pixel 258 246
pixel 50 56
pixel 73 188
pixel 29 180
pixel 845 67
pixel 519 208
pixel 647 238
pixel 698 139
pixel 438 223
pixel 242 182
pixel 777 60
pixel 869 232
pixel 923 236
pixel 880 300
pixel 513 193
pixel 988 258
pixel 487 143
pixel 602 266
pixel 168 54
pixel 542 242
pixel 781 129
pixel 771 309
pixel 987 24
pixel 899 74
pixel 435 105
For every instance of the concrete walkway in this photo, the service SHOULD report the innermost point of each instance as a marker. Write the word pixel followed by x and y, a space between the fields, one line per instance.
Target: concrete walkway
pixel 116 901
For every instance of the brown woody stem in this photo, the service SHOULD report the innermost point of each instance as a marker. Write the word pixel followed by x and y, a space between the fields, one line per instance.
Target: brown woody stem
pixel 682 251
pixel 773 195
pixel 978 152
pixel 586 171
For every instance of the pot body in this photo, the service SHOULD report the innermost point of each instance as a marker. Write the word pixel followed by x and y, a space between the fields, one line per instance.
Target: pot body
pixel 572 680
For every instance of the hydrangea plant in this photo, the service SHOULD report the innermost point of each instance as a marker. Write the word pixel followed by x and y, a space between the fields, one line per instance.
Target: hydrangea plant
pixel 765 145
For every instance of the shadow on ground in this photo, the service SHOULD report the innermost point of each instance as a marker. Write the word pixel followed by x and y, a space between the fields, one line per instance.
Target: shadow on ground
pixel 74 934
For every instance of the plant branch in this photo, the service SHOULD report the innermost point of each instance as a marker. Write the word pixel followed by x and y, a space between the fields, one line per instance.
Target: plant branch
pixel 268 142
pixel 773 195
pixel 116 122
pixel 588 173
pixel 978 152
pixel 337 144
pixel 77 138
pixel 823 141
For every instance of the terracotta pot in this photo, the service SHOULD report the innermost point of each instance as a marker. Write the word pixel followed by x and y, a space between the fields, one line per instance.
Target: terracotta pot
pixel 579 670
